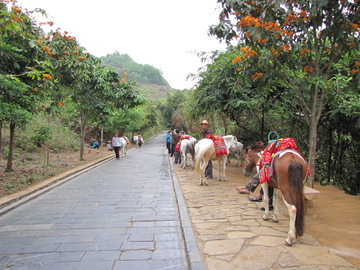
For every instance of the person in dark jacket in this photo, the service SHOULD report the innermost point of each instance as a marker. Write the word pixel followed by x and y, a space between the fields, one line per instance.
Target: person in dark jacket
pixel 206 131
pixel 175 139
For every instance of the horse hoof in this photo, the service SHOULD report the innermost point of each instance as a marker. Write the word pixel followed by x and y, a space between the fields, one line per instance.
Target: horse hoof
pixel 265 218
pixel 288 244
pixel 275 221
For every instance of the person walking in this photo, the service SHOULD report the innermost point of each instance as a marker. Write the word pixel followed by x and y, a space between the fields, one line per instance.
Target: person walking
pixel 140 140
pixel 206 131
pixel 116 143
pixel 168 142
pixel 172 147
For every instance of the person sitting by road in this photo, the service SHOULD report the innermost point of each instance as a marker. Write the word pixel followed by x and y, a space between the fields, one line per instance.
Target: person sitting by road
pixel 108 146
pixel 91 141
pixel 95 144
pixel 251 186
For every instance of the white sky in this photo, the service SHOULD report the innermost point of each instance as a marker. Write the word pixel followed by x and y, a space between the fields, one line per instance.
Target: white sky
pixel 161 33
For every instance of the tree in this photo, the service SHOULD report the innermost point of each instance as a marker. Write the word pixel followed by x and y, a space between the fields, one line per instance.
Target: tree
pixel 303 41
pixel 20 56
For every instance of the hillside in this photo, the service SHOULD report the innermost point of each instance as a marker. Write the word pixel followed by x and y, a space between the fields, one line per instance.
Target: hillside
pixel 150 79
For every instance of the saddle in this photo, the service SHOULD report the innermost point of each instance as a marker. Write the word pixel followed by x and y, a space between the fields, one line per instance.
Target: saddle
pixel 183 137
pixel 271 151
pixel 219 144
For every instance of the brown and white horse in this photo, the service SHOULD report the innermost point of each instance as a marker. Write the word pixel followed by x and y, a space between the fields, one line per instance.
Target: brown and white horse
pixel 205 151
pixel 289 174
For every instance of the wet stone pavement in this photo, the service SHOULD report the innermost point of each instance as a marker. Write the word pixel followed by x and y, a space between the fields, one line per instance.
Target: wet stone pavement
pixel 144 212
pixel 123 214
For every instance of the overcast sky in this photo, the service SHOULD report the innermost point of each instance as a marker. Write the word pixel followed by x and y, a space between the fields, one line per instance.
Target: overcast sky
pixel 161 33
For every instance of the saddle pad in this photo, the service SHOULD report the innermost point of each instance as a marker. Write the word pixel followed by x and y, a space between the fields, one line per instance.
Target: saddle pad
pixel 265 169
pixel 219 144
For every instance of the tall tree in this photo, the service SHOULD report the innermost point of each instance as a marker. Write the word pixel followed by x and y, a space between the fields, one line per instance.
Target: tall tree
pixel 304 41
pixel 20 56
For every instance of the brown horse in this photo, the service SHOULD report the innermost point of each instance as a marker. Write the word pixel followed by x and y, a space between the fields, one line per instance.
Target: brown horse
pixel 289 173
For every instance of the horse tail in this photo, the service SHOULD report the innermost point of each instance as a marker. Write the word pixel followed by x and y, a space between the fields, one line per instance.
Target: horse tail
pixel 295 174
pixel 199 159
pixel 191 149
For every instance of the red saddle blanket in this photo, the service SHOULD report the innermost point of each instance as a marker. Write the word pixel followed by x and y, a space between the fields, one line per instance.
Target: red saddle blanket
pixel 219 144
pixel 183 137
pixel 265 161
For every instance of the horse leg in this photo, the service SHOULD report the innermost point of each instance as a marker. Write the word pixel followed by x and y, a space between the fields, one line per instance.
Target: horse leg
pixel 237 162
pixel 183 158
pixel 276 205
pixel 193 162
pixel 203 165
pixel 220 170
pixel 265 199
pixel 292 214
pixel 223 167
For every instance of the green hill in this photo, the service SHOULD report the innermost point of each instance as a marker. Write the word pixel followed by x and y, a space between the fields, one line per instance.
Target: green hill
pixel 150 79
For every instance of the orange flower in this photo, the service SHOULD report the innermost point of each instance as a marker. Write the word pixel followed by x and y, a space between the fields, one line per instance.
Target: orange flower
pixel 308 69
pixel 357 63
pixel 285 48
pixel 17 10
pixel 274 52
pixel 237 59
pixel 353 71
pixel 47 76
pixel 47 50
pixel 354 26
pixel 239 69
pixel 81 58
pixel 123 79
pixel 262 41
pixel 34 89
pixel 125 73
pixel 304 51
pixel 60 103
pixel 256 75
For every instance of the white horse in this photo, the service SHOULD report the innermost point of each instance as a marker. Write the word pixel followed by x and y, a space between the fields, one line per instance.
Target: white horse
pixel 136 140
pixel 187 147
pixel 205 151
pixel 237 149
pixel 123 147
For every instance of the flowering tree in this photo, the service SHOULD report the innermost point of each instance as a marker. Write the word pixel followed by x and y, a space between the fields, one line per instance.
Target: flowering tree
pixel 303 45
pixel 19 61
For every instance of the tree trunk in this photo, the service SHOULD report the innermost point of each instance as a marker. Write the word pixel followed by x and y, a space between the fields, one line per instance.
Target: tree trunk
pixel 11 148
pixel 312 150
pixel 0 136
pixel 83 124
pixel 46 150
pixel 102 136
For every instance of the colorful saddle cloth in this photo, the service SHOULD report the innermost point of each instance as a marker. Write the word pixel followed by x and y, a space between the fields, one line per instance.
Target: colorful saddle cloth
pixel 183 137
pixel 265 168
pixel 219 144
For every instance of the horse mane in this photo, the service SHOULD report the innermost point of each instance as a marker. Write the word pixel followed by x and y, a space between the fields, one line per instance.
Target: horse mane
pixel 258 145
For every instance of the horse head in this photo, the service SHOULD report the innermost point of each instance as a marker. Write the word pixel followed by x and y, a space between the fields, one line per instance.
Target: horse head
pixel 252 157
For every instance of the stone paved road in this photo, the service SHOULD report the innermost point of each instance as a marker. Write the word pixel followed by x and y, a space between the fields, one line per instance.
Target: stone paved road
pixel 119 215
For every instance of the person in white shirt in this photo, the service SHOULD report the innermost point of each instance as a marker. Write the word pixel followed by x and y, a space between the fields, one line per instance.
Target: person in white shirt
pixel 116 143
